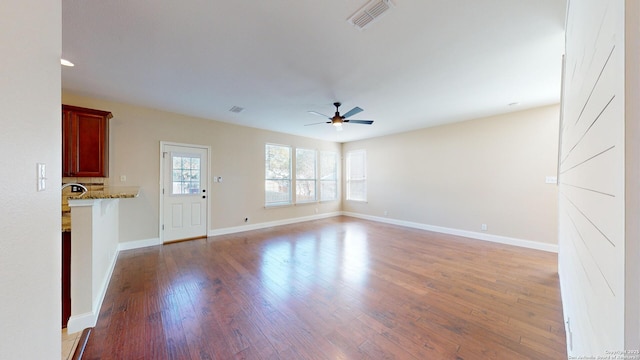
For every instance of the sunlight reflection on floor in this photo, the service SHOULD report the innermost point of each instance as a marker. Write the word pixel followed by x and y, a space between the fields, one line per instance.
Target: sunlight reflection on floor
pixel 291 267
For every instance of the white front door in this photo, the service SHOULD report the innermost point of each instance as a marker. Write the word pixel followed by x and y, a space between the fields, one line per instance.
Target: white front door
pixel 184 192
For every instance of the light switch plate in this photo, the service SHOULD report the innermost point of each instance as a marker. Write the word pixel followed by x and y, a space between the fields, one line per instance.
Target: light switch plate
pixel 41 176
pixel 551 180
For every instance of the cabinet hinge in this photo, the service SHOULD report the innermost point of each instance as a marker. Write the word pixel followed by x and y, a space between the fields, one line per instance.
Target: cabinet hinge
pixel 163 227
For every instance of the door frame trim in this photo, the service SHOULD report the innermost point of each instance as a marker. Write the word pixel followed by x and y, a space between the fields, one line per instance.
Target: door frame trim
pixel 161 183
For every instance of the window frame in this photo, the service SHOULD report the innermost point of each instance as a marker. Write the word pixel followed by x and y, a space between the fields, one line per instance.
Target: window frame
pixel 289 201
pixel 321 176
pixel 314 179
pixel 350 180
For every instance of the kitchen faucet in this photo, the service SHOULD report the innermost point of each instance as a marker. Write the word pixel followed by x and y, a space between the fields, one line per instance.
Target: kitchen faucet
pixel 84 188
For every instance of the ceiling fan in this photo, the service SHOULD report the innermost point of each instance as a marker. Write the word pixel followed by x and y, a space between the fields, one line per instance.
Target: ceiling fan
pixel 337 120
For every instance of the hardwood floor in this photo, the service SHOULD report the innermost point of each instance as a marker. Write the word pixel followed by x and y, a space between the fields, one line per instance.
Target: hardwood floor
pixel 339 288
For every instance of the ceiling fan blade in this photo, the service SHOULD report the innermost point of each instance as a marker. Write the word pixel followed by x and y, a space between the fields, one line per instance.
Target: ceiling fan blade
pixel 319 114
pixel 352 112
pixel 366 122
pixel 324 122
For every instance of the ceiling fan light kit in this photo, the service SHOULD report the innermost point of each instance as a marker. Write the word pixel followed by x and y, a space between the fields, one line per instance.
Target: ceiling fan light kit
pixel 337 120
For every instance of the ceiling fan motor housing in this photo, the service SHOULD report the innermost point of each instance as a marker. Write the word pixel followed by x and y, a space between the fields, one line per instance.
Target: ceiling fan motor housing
pixel 337 120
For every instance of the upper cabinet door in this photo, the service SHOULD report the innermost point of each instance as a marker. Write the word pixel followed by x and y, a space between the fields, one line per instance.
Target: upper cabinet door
pixel 85 142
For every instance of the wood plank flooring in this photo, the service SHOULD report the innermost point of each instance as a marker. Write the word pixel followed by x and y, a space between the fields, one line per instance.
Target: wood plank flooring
pixel 338 288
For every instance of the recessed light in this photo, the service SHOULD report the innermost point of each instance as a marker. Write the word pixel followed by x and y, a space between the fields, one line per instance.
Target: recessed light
pixel 66 62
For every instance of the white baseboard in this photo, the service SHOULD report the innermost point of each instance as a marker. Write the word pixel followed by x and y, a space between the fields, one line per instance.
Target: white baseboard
pixel 465 233
pixel 80 322
pixel 97 304
pixel 137 244
pixel 89 319
pixel 264 225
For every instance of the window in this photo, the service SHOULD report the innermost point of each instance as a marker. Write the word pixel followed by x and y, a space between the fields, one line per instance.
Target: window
pixel 357 175
pixel 305 175
pixel 328 176
pixel 185 171
pixel 277 184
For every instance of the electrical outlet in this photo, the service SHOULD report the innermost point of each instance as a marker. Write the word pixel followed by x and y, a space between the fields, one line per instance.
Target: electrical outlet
pixel 76 189
pixel 246 219
pixel 484 227
pixel 569 334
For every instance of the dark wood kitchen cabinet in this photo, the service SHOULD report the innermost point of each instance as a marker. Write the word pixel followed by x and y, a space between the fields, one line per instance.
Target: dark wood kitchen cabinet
pixel 85 142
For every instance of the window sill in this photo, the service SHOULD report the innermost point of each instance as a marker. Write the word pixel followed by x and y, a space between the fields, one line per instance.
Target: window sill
pixel 307 202
pixel 279 205
pixel 327 201
pixel 358 201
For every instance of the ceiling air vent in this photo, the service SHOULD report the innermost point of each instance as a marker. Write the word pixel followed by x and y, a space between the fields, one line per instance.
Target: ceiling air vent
pixel 369 13
pixel 236 109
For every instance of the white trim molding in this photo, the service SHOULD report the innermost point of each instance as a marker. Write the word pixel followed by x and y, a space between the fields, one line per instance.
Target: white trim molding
pixel 80 322
pixel 137 244
pixel 264 225
pixel 465 233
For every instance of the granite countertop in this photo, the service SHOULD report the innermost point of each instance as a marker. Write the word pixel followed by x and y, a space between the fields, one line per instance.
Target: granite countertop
pixel 109 192
pixel 66 222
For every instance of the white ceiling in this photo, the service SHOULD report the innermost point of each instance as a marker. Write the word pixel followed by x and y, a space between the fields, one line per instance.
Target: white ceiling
pixel 424 63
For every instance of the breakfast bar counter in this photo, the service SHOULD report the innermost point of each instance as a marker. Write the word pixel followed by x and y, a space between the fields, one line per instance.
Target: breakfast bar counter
pixel 109 192
pixel 94 226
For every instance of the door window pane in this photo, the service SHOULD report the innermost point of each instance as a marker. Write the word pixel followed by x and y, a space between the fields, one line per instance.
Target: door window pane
pixel 185 174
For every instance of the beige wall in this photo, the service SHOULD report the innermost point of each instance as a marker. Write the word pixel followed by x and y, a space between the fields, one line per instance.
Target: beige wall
pixel 486 171
pixel 237 155
pixel 30 241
